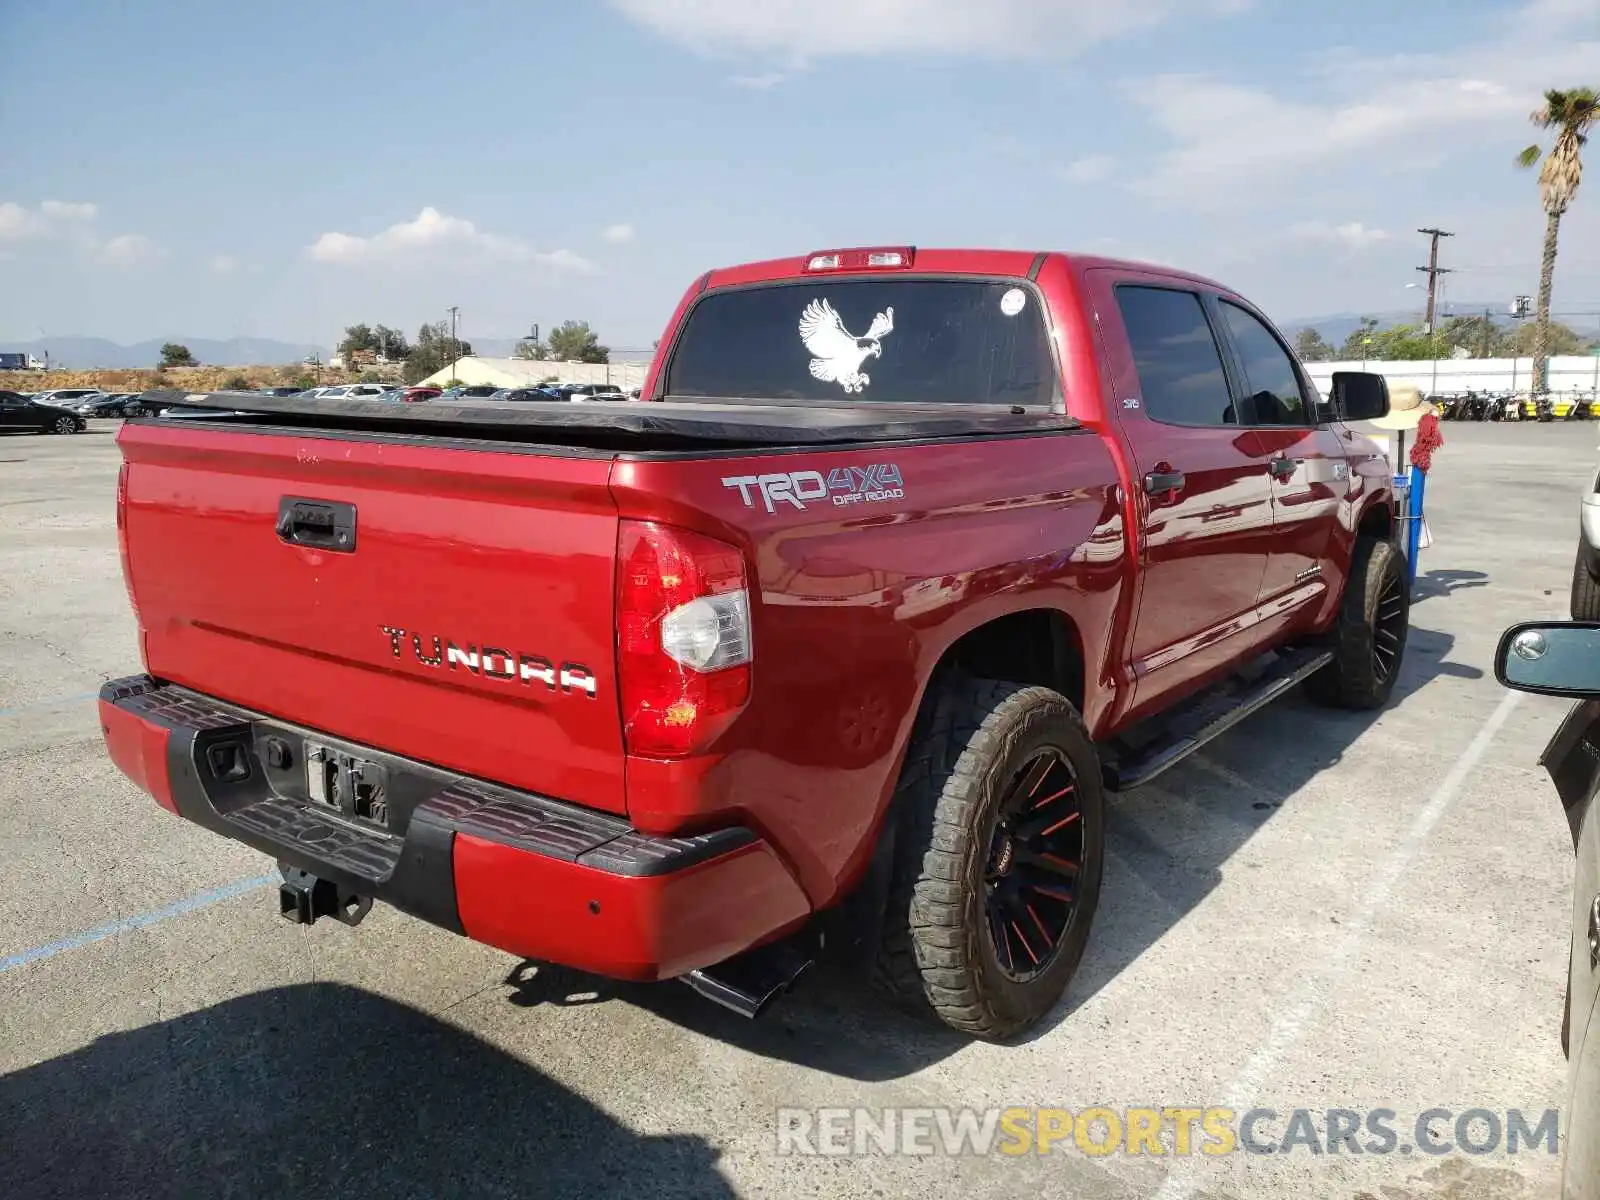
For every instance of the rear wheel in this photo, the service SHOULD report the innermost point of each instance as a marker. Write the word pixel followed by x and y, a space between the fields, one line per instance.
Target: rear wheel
pixel 65 425
pixel 1585 591
pixel 999 852
pixel 133 410
pixel 1368 638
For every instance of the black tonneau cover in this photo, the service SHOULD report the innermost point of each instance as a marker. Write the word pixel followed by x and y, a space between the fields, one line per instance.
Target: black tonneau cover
pixel 726 422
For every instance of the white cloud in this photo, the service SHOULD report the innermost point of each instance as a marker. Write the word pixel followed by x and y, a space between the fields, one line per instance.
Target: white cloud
pixel 1352 235
pixel 223 264
pixel 125 250
pixel 759 83
pixel 1403 107
pixel 67 210
pixel 1092 169
pixel 19 224
pixel 619 233
pixel 997 29
pixel 432 233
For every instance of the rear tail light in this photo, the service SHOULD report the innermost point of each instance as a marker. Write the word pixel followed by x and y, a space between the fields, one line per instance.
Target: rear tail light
pixel 683 638
pixel 122 535
pixel 876 258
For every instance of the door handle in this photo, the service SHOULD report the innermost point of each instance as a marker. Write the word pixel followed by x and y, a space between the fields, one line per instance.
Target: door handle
pixel 1283 468
pixel 322 524
pixel 1161 483
pixel 1158 483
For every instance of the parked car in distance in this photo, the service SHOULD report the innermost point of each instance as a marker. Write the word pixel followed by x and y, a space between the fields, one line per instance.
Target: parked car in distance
pixel 66 397
pixel 112 404
pixel 20 414
pixel 523 394
pixel 421 392
pixel 1558 658
pixel 472 391
pixel 280 391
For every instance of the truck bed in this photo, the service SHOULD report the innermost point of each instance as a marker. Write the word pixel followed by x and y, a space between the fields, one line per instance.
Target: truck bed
pixel 614 426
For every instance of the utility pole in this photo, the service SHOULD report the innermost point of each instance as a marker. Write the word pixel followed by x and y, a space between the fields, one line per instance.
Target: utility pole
pixel 1433 270
pixel 455 344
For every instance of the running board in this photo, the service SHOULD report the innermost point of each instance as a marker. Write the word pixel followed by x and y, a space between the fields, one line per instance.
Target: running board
pixel 1209 716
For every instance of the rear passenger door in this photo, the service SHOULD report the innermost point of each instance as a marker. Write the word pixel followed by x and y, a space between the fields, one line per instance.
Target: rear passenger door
pixel 1206 503
pixel 1305 464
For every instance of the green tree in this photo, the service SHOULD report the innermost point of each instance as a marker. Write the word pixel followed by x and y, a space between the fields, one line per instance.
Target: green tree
pixel 531 350
pixel 574 341
pixel 1309 346
pixel 434 350
pixel 1479 335
pixel 1569 114
pixel 1559 339
pixel 1357 345
pixel 357 337
pixel 175 355
pixel 237 383
pixel 1406 342
pixel 391 343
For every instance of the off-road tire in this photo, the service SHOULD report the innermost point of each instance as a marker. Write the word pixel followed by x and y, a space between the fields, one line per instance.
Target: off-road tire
pixel 1585 592
pixel 936 957
pixel 1354 678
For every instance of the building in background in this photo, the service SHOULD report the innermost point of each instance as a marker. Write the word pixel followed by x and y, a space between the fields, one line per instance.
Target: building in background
pixel 527 372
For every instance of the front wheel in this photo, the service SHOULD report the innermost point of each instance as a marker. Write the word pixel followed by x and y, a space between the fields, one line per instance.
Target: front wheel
pixel 1585 591
pixel 999 849
pixel 1368 638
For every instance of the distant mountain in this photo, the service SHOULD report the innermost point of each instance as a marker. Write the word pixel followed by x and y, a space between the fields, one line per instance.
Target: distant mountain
pixel 1335 327
pixel 85 353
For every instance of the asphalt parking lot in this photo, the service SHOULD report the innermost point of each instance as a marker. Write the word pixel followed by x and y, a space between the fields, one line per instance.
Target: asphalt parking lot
pixel 1321 911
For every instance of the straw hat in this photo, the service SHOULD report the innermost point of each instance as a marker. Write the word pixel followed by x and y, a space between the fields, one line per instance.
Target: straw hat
pixel 1406 407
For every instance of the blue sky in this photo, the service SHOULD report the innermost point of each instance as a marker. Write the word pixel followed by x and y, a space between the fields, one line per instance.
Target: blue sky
pixel 178 167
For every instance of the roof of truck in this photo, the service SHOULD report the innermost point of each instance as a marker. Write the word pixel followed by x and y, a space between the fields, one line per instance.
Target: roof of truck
pixel 1021 264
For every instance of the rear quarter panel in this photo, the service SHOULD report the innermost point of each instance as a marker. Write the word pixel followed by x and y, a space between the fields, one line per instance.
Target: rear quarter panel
pixel 854 604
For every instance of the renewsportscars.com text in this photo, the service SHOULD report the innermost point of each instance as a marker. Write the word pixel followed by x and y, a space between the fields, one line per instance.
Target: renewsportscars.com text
pixel 1163 1131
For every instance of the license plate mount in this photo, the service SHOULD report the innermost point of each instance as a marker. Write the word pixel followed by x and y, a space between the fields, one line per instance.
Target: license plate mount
pixel 354 786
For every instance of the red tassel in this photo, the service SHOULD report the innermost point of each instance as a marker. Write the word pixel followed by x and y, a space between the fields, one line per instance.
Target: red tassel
pixel 1428 440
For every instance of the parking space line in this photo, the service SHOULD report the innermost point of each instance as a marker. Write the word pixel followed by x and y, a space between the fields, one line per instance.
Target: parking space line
pixel 179 908
pixel 1316 985
pixel 41 704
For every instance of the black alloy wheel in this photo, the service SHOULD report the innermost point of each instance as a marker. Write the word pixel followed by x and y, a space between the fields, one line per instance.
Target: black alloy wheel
pixel 1031 875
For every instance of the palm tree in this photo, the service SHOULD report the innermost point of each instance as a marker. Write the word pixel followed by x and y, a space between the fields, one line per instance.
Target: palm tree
pixel 1569 114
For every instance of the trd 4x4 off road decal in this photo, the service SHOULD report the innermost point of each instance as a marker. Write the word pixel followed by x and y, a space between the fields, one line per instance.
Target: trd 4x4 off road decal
pixel 838 353
pixel 843 486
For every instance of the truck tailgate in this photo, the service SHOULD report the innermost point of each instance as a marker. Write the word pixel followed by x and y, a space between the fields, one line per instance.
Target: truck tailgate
pixel 465 618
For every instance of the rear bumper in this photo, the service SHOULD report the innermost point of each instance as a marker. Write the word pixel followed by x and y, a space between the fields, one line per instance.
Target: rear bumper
pixel 534 876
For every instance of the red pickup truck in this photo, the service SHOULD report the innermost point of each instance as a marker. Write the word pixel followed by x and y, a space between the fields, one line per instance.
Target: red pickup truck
pixel 840 634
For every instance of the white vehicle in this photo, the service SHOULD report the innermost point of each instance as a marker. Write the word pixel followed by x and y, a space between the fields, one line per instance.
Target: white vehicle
pixel 67 397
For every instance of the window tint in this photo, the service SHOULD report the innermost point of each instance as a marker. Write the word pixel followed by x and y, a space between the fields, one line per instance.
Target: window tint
pixel 878 340
pixel 1270 376
pixel 1180 367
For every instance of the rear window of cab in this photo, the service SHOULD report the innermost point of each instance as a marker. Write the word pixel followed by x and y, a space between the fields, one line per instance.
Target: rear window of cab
pixel 901 340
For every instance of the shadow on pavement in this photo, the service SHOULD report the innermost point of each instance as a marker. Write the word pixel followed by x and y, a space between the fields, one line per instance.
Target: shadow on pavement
pixel 1162 862
pixel 320 1090
pixel 1163 859
pixel 831 1022
pixel 1442 583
